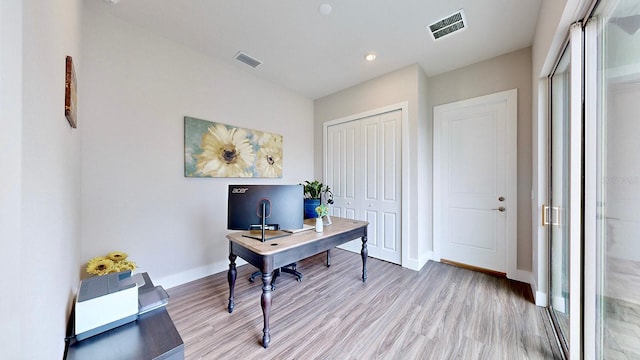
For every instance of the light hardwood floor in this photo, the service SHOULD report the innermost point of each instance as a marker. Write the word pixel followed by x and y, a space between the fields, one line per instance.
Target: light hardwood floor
pixel 440 312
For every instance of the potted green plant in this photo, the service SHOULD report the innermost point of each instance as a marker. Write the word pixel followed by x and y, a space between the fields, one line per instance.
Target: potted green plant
pixel 313 192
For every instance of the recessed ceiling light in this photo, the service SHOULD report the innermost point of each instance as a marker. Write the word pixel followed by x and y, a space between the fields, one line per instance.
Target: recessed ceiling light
pixel 325 9
pixel 370 56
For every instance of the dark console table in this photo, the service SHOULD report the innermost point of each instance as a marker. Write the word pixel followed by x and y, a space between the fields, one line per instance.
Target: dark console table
pixel 273 254
pixel 152 336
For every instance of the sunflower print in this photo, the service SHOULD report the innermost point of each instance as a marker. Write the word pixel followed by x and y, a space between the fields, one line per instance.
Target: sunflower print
pixel 269 157
pixel 226 153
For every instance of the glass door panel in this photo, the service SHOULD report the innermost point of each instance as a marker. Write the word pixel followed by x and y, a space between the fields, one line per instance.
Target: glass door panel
pixel 617 181
pixel 559 198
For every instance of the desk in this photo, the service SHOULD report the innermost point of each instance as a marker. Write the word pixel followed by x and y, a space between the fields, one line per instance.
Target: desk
pixel 152 336
pixel 273 254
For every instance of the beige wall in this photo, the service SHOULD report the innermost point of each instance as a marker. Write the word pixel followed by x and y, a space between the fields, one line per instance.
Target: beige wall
pixel 11 170
pixel 407 84
pixel 40 170
pixel 135 196
pixel 504 72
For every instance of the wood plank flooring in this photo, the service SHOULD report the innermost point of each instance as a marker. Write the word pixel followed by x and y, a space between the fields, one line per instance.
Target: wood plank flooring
pixel 440 312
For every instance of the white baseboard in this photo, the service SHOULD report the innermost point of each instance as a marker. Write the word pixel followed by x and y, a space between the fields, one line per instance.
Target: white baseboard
pixel 522 276
pixel 541 299
pixel 417 264
pixel 423 260
pixel 184 277
pixel 412 264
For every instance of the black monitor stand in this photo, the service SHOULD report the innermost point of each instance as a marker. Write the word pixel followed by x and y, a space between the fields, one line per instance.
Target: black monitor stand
pixel 267 231
pixel 273 233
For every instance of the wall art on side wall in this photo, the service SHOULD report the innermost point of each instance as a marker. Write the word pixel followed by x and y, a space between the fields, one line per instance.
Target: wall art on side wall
pixel 218 150
pixel 70 100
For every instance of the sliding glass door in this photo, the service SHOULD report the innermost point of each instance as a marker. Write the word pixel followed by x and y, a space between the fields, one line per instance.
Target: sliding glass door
pixel 556 213
pixel 593 214
pixel 563 216
pixel 612 190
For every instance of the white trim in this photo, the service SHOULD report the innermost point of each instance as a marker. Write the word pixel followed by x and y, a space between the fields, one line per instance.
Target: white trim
pixel 541 299
pixel 511 98
pixel 575 193
pixel 404 107
pixel 424 259
pixel 184 277
pixel 385 109
pixel 512 168
pixel 590 186
pixel 523 276
pixel 540 232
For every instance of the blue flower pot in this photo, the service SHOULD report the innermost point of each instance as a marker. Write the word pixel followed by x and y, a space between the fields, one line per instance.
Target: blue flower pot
pixel 310 206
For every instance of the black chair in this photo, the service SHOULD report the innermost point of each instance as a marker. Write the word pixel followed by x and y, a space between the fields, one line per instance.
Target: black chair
pixel 289 269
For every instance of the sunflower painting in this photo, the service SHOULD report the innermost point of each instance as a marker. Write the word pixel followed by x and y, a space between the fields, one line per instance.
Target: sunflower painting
pixel 219 150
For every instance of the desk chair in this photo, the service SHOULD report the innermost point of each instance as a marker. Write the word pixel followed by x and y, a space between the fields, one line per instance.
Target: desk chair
pixel 289 269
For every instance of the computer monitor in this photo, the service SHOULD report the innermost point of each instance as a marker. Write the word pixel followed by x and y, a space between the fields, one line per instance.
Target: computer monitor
pixel 265 209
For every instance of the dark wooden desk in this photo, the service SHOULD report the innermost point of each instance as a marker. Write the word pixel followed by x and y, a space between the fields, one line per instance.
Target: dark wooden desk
pixel 273 254
pixel 152 336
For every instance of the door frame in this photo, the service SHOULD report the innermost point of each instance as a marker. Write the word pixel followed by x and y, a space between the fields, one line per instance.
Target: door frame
pixel 511 236
pixel 404 171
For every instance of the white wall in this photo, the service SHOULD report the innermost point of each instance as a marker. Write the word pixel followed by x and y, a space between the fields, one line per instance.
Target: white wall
pixel 11 170
pixel 406 84
pixel 137 88
pixel 501 73
pixel 41 176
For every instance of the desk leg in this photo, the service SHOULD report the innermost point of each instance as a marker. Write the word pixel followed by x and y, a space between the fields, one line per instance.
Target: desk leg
pixel 266 307
pixel 231 277
pixel 364 253
pixel 328 258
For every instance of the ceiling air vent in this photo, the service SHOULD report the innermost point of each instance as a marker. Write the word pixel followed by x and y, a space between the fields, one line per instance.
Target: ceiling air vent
pixel 448 25
pixel 242 57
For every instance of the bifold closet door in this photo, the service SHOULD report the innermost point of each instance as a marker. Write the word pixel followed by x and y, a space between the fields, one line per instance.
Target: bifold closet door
pixel 363 169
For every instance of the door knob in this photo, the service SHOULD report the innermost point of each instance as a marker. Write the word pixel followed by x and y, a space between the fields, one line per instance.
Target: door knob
pixel 501 209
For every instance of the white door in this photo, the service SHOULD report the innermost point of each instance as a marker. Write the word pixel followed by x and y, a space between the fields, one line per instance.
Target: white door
pixel 475 182
pixel 363 170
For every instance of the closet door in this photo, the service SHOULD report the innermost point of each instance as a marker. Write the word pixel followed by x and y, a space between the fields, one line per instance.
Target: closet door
pixel 344 168
pixel 363 171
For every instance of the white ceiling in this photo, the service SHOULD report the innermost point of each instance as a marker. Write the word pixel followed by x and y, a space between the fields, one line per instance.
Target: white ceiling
pixel 316 55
